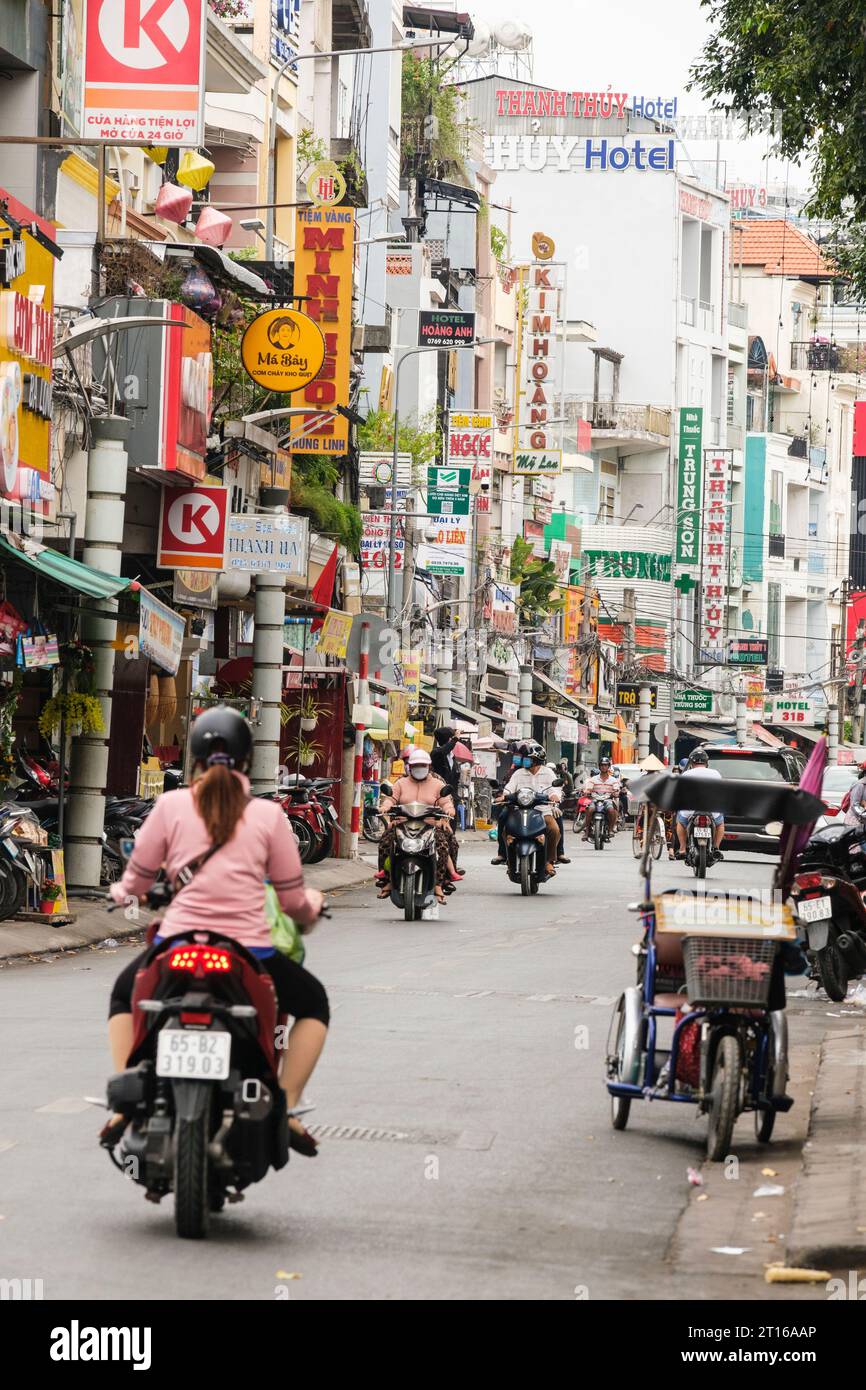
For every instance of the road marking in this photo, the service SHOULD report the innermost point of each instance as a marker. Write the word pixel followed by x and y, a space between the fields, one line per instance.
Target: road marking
pixel 66 1105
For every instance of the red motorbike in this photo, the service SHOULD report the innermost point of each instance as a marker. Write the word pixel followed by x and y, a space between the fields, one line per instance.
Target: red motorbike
pixel 309 805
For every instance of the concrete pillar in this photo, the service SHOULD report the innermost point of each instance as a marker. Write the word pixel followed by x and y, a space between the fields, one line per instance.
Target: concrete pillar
pixel 643 722
pixel 347 789
pixel 107 466
pixel 525 698
pixel 832 735
pixel 270 612
pixel 741 716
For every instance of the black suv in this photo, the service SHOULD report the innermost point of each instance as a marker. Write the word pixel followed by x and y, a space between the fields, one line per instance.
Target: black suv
pixel 753 762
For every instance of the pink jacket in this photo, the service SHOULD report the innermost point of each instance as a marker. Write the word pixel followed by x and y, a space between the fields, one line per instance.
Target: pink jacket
pixel 228 893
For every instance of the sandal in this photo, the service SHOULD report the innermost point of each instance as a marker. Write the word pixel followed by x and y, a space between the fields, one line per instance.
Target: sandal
pixel 302 1141
pixel 384 891
pixel 112 1132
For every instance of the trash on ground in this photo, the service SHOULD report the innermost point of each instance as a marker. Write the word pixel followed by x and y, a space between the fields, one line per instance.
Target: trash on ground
pixel 694 1177
pixel 109 944
pixel 778 1274
pixel 282 1274
pixel 769 1173
pixel 769 1189
pixel 730 1249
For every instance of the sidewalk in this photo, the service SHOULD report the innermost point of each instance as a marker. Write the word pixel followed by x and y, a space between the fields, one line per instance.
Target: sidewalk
pixel 93 923
pixel 829 1226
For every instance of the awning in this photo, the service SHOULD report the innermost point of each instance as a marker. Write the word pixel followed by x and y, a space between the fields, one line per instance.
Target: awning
pixel 71 574
pixel 541 713
pixel 764 736
pixel 557 689
pixel 428 692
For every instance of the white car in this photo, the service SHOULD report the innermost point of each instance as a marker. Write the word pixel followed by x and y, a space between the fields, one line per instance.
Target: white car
pixel 837 781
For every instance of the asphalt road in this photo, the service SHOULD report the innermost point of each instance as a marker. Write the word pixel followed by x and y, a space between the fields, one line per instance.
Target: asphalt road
pixel 471 1154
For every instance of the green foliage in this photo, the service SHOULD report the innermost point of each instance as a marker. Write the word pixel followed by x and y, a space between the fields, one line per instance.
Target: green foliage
pixel 310 150
pixel 426 94
pixel 498 242
pixel 805 61
pixel 421 439
pixel 352 170
pixel 537 580
pixel 314 478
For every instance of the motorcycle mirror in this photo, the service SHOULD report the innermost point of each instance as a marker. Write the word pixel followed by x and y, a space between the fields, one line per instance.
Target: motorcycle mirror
pixel 126 849
pixel 558 782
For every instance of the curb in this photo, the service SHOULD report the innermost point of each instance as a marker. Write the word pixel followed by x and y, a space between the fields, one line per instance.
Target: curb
pixel 93 924
pixel 828 1230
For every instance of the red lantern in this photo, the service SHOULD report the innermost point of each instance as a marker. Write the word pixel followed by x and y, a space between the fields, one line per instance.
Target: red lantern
pixel 173 203
pixel 213 227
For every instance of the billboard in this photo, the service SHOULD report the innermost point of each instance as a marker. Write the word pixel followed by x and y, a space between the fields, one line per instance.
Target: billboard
pixel 26 347
pixel 715 556
pixel 324 262
pixel 144 68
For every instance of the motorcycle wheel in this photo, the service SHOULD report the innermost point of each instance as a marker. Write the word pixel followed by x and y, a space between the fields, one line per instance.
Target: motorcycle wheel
pixel 304 837
pixel 598 832
pixel 700 860
pixel 525 876
pixel 724 1094
pixel 410 910
pixel 764 1122
pixel 13 887
pixel 323 846
pixel 374 827
pixel 578 825
pixel 191 1197
pixel 111 867
pixel 620 1106
pixel 831 972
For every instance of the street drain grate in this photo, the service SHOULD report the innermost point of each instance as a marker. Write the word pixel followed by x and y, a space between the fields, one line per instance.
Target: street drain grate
pixel 461 1139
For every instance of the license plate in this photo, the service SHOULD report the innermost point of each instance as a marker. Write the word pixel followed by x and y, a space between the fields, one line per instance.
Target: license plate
pixel 702 832
pixel 187 1054
pixel 814 909
pixel 332 812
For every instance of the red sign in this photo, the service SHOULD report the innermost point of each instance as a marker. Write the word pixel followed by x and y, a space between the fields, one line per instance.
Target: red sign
pixel 187 388
pixel 192 528
pixel 859 442
pixel 144 71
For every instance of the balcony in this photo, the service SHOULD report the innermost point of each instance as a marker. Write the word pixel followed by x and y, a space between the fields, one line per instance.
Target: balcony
pixel 688 311
pixel 828 357
pixel 231 66
pixel 738 315
pixel 776 547
pixel 636 429
pixel 706 316
pixel 350 24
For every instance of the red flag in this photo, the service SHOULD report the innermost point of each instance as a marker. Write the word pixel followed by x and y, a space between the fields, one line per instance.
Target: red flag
pixel 323 589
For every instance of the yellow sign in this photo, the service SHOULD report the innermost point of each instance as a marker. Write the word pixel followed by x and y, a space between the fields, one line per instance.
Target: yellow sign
pixel 543 247
pixel 283 350
pixel 324 265
pixel 26 352
pixel 281 474
pixel 333 639
pixel 58 873
pixel 325 184
pixel 398 712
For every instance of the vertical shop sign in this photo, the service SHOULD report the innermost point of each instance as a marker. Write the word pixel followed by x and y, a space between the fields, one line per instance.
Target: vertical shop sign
pixel 715 556
pixel 689 486
pixel 324 260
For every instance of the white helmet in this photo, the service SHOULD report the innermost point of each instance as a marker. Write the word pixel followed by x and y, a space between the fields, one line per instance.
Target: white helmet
pixel 418 757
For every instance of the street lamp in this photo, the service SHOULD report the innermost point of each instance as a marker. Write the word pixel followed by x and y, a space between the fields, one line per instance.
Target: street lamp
pixel 392 535
pixel 275 98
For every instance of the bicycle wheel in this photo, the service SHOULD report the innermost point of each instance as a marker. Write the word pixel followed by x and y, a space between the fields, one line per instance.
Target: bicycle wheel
pixel 637 836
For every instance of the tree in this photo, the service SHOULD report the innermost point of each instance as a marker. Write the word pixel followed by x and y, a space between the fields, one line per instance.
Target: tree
pixel 538 582
pixel 419 438
pixel 802 62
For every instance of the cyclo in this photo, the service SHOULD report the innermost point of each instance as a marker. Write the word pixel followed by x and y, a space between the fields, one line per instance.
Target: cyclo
pixel 713 965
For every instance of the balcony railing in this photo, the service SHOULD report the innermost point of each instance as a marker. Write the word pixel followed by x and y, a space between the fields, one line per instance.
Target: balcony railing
pixel 828 357
pixel 688 309
pixel 738 315
pixel 776 547
pixel 623 417
pixel 706 315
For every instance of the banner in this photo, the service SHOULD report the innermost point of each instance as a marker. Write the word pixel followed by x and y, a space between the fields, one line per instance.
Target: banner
pixel 333 639
pixel 715 554
pixel 470 440
pixel 324 263
pixel 689 486
pixel 449 552
pixel 398 713
pixel 160 633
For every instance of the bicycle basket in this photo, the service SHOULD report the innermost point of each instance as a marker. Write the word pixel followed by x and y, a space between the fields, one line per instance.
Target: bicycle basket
pixel 728 970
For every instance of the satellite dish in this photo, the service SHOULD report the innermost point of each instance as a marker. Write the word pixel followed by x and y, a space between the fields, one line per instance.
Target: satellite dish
pixel 511 33
pixel 480 44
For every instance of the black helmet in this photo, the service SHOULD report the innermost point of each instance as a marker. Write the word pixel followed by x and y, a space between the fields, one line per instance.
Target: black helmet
pixel 222 735
pixel 535 751
pixel 698 758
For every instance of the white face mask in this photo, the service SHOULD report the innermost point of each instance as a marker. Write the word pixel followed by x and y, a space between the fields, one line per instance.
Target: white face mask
pixel 419 773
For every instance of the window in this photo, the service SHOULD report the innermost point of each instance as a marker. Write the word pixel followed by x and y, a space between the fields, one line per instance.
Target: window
pixel 774 624
pixel 606 503
pixel 776 485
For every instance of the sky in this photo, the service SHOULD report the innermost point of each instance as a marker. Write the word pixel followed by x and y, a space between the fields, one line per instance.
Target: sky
pixel 638 48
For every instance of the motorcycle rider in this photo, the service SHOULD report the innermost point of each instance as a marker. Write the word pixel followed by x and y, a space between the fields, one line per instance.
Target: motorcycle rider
pixel 607 785
pixel 419 784
pixel 540 779
pixel 855 813
pixel 698 766
pixel 231 843
pixel 518 759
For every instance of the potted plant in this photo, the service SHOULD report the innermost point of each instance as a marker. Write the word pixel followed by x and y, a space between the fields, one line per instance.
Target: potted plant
pixel 51 892
pixel 309 713
pixel 308 751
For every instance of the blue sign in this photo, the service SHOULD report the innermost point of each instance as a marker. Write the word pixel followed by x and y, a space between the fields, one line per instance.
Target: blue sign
pixel 285 31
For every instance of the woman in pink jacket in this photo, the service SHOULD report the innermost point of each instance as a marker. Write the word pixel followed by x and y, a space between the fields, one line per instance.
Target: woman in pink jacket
pixel 232 843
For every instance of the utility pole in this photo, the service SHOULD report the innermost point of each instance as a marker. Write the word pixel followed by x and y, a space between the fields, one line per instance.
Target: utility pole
pixel 643 726
pixel 857 655
pixel 740 698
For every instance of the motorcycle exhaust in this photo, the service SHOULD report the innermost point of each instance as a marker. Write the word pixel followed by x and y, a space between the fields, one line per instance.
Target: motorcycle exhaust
pixel 853 950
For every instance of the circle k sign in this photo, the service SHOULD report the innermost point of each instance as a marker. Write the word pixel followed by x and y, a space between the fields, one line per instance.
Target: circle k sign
pixel 192 528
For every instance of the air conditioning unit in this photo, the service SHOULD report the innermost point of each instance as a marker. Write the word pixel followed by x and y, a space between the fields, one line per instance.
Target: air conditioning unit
pixel 371 337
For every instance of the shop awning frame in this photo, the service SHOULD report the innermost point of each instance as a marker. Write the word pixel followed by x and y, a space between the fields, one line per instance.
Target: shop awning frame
pixel 584 709
pixel 63 570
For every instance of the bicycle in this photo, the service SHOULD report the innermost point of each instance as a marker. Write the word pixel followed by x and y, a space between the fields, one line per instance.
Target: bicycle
pixel 657 842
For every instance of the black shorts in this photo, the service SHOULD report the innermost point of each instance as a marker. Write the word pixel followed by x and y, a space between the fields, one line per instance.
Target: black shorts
pixel 299 993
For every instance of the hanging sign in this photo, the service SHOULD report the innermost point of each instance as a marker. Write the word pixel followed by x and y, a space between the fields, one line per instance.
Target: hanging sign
pixel 160 633
pixel 780 711
pixel 374 469
pixel 628 695
pixel 26 348
pixel 542 354
pixel 530 463
pixel 196 588
pixel 192 528
pixel 144 71
pixel 566 731
pixel 448 491
pixel 445 328
pixel 693 702
pixel 398 713
pixel 333 639
pixel 283 350
pixel 715 556
pixel 448 553
pixel 747 651
pixel 376 538
pixel 470 439
pixel 689 486
pixel 325 184
pixel 267 544
pixel 324 269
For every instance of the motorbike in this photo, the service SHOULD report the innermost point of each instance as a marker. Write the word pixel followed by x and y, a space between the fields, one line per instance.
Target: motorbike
pixel 21 866
pixel 600 825
pixel 700 852
pixel 413 858
pixel 373 820
pixel 525 843
pixel 206 1114
pixel 581 807
pixel 827 896
pixel 39 775
pixel 309 805
pixel 704 1024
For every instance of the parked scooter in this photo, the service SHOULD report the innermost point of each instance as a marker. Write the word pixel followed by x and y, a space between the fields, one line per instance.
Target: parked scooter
pixel 525 839
pixel 413 858
pixel 827 897
pixel 21 866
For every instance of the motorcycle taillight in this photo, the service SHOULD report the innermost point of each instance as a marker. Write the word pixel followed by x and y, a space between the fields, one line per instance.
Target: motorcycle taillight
pixel 702 820
pixel 808 880
pixel 199 958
